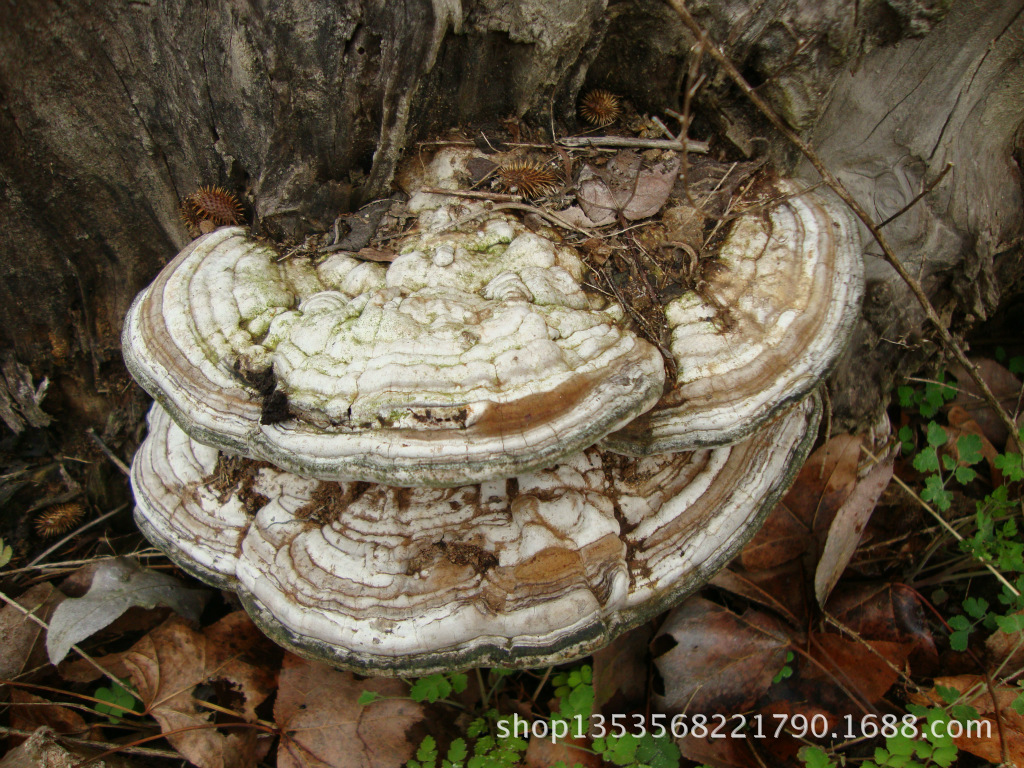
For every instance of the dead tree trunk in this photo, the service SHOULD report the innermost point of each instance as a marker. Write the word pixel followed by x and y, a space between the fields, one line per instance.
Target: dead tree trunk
pixel 111 114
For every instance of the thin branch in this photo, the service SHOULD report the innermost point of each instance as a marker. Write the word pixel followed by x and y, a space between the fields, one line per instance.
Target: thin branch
pixel 109 453
pixel 467 143
pixel 689 145
pixel 471 194
pixel 663 128
pixel 145 751
pixel 947 339
pixel 174 732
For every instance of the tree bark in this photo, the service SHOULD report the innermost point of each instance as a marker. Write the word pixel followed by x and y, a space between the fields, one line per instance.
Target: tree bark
pixel 111 114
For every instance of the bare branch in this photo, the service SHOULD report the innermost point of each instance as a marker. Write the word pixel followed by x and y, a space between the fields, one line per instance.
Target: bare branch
pixel 689 145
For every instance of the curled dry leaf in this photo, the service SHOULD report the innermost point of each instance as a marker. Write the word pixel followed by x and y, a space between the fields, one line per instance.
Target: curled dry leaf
pixel 890 612
pixel 21 637
pixel 721 661
pixel 621 669
pixel 868 668
pixel 847 526
pixel 30 712
pixel 117 585
pixel 324 726
pixel 799 524
pixel 625 186
pixel 824 484
pixel 171 662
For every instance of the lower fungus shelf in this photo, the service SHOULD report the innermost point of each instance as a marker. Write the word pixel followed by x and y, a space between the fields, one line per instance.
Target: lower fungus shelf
pixel 529 571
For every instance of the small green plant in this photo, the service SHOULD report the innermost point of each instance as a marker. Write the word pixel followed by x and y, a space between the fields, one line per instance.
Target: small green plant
pixel 786 671
pixel 940 473
pixel 430 689
pixel 494 740
pixel 930 399
pixel 922 745
pixel 996 540
pixel 426 755
pixel 935 747
pixel 5 553
pixel 118 701
pixel 487 751
pixel 435 687
pixel 575 692
pixel 632 751
pixel 1015 364
pixel 815 757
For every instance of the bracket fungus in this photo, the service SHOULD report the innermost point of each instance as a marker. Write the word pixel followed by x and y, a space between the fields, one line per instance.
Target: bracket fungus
pixel 530 571
pixel 769 322
pixel 538 492
pixel 472 356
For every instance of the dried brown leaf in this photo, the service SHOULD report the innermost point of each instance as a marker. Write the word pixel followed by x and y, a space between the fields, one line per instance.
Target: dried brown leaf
pixel 625 187
pixel 375 254
pixel 21 638
pixel 824 483
pixel 887 611
pixel 169 663
pixel 961 423
pixel 542 753
pixel 1004 385
pixel 30 712
pixel 685 224
pixel 798 525
pixel 575 217
pixel 325 727
pixel 780 589
pixel 595 197
pixel 721 661
pixel 721 753
pixel 868 668
pixel 117 585
pixel 783 538
pixel 621 668
pixel 847 526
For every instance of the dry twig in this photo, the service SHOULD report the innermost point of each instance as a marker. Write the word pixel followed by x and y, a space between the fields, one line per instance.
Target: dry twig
pixel 689 145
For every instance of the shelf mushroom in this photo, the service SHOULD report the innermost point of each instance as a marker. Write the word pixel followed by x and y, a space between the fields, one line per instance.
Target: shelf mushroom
pixel 474 355
pixel 769 322
pixel 535 500
pixel 529 571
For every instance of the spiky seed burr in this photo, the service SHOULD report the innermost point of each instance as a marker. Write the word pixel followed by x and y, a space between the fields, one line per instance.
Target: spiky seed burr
pixel 58 519
pixel 600 107
pixel 212 204
pixel 527 178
